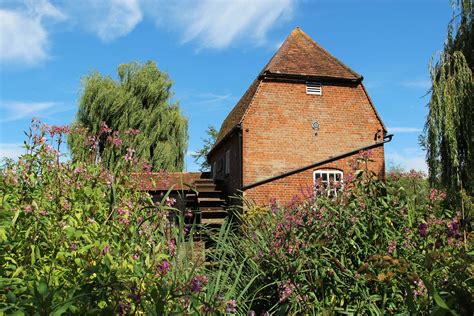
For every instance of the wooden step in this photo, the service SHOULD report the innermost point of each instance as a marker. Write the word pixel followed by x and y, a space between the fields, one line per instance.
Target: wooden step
pixel 210 199
pixel 211 208
pixel 212 221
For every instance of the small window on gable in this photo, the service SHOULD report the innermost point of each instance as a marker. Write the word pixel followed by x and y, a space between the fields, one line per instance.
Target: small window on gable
pixel 328 181
pixel 227 162
pixel 314 88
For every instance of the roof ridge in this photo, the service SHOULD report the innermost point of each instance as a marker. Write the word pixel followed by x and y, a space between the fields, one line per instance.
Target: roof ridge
pixel 331 56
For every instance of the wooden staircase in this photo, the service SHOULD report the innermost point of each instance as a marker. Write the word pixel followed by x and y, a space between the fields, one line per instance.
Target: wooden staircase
pixel 207 203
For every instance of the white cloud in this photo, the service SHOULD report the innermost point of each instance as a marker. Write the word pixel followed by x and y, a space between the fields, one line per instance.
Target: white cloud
pixel 205 98
pixel 108 19
pixel 11 150
pixel 12 111
pixel 417 84
pixel 217 24
pixel 408 160
pixel 404 129
pixel 23 37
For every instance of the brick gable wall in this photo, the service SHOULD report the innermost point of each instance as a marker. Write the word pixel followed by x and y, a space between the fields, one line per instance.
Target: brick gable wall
pixel 277 128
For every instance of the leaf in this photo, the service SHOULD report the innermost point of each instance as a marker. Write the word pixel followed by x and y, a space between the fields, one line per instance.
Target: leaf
pixel 15 217
pixel 43 287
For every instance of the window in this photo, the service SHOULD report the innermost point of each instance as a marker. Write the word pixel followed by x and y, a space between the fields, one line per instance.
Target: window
pixel 227 162
pixel 329 181
pixel 314 88
pixel 214 169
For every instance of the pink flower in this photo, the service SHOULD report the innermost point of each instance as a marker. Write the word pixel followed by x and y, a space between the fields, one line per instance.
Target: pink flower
pixel 163 268
pixel 285 290
pixel 392 246
pixel 129 154
pixel 170 201
pixel 231 307
pixel 105 250
pixel 104 129
pixel 197 283
pixel 132 132
pixel 421 288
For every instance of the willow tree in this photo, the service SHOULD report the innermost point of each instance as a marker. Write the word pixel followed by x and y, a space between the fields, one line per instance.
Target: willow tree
pixel 449 137
pixel 140 100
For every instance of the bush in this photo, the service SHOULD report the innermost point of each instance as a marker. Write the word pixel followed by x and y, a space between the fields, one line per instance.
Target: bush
pixel 370 250
pixel 78 238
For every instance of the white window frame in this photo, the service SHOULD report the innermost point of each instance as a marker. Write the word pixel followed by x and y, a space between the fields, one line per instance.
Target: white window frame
pixel 227 162
pixel 314 87
pixel 329 183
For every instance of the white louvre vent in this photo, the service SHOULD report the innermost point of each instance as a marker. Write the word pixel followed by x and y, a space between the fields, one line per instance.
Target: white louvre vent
pixel 314 88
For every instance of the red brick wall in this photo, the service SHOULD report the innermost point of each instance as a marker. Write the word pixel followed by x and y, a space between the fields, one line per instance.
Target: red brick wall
pixel 299 184
pixel 278 134
pixel 232 181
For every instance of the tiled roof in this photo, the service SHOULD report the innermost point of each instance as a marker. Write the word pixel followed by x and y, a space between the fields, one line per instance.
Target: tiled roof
pixel 162 181
pixel 298 55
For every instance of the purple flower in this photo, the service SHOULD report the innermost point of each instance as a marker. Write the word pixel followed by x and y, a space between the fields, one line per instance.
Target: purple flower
pixel 73 246
pixel 392 246
pixel 231 306
pixel 285 290
pixel 198 282
pixel 163 268
pixel 105 250
pixel 423 230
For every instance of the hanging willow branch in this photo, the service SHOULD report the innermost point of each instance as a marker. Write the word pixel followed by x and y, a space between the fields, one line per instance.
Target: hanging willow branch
pixel 449 137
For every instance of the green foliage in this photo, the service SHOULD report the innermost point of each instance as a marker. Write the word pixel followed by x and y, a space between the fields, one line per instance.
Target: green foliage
pixel 200 156
pixel 139 101
pixel 449 127
pixel 370 250
pixel 76 238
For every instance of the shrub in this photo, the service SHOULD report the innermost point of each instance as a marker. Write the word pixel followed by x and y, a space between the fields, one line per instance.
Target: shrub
pixel 370 250
pixel 78 238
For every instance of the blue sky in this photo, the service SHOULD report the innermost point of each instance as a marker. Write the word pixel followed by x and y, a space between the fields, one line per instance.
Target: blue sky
pixel 212 51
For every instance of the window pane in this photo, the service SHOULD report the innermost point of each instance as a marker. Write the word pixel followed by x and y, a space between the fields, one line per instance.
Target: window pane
pixel 338 177
pixel 325 177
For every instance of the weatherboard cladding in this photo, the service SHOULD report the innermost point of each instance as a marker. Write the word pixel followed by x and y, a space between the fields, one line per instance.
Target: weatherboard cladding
pixel 299 55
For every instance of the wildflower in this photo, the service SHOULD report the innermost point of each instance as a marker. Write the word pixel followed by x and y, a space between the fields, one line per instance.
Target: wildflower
pixel 135 256
pixel 188 213
pixel 453 228
pixel 366 154
pixel 146 167
pixel 423 230
pixel 392 246
pixel 285 290
pixel 381 277
pixel 28 208
pixel 251 313
pixel 43 213
pixel 231 306
pixel 132 132
pixel 105 250
pixel 170 201
pixel 172 247
pixel 421 288
pixel 198 282
pixel 66 205
pixel 73 246
pixel 104 129
pixel 129 154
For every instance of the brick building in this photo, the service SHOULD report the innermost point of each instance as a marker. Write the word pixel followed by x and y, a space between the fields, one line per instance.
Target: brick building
pixel 304 117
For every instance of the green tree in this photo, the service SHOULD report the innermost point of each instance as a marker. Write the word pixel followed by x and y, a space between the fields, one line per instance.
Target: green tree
pixel 139 100
pixel 200 156
pixel 449 137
